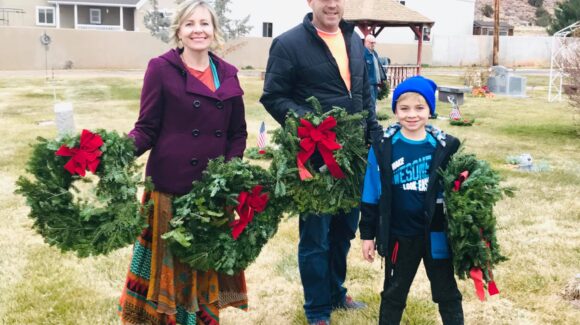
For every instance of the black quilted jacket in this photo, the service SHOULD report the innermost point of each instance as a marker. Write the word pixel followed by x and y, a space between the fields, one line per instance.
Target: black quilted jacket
pixel 301 65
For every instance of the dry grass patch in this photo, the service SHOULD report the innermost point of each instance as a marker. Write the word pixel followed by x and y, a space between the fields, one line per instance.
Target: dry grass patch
pixel 538 228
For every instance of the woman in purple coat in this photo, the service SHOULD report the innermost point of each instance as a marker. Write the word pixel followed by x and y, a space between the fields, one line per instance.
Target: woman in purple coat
pixel 191 111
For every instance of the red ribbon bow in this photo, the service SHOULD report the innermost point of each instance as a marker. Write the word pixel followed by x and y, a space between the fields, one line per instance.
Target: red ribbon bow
pixel 85 156
pixel 476 275
pixel 321 138
pixel 462 177
pixel 248 203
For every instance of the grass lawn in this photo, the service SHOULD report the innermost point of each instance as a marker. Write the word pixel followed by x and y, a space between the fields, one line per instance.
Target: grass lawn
pixel 538 228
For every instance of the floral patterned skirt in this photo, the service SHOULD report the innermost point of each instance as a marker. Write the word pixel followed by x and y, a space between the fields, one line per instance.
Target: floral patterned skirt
pixel 160 290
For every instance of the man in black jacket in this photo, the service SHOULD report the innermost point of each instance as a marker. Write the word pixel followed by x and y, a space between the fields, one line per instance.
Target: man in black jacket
pixel 321 57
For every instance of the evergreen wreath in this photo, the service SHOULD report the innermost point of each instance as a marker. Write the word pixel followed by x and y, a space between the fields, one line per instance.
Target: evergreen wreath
pixel 109 218
pixel 204 231
pixel 384 90
pixel 254 153
pixel 462 121
pixel 471 189
pixel 328 189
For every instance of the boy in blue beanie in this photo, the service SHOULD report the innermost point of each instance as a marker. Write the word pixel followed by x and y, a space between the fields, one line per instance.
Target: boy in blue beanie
pixel 403 216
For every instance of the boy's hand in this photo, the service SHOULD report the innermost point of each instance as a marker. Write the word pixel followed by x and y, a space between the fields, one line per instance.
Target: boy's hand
pixel 368 250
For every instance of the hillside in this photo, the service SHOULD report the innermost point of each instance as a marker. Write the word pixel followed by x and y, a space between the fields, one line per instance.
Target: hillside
pixel 515 12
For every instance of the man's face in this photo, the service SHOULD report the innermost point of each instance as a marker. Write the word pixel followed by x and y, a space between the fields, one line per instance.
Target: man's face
pixel 326 14
pixel 370 42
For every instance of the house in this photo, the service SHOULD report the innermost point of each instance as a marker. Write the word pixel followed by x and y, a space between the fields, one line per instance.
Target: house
pixel 482 27
pixel 119 15
pixel 269 18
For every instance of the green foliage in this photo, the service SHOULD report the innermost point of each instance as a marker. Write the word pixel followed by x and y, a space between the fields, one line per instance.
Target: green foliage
pixel 322 193
pixel 487 10
pixel 254 153
pixel 110 220
pixel 382 116
pixel 543 17
pixel 471 222
pixel 384 90
pixel 200 233
pixel 565 14
pixel 536 3
pixel 462 122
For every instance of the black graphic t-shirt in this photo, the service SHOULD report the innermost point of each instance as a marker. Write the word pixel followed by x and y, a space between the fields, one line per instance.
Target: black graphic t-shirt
pixel 411 164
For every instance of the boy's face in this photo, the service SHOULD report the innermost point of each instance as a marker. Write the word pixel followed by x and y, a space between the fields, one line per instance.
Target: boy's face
pixel 412 113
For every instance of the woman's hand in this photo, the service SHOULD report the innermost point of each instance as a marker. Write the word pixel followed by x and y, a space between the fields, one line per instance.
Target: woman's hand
pixel 368 250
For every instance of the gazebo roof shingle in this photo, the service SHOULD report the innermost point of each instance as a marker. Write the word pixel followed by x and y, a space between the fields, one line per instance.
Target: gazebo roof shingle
pixel 385 12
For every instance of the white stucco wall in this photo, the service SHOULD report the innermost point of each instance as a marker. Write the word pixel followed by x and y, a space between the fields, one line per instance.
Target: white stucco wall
pixel 451 17
pixel 284 14
pixel 478 50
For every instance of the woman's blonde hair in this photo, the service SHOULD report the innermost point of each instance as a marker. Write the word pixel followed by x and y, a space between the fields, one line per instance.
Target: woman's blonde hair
pixel 184 10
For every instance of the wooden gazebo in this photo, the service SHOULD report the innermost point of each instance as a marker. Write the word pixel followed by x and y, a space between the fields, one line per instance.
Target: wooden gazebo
pixel 372 16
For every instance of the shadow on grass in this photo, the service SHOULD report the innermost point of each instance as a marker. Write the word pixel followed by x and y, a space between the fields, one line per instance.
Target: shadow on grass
pixel 417 312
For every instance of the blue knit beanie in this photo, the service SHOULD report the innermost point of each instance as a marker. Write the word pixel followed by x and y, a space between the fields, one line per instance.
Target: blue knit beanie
pixel 425 87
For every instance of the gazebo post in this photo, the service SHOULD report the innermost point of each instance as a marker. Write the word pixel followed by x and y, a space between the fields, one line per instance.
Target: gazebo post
pixel 367 28
pixel 418 30
pixel 364 28
pixel 372 16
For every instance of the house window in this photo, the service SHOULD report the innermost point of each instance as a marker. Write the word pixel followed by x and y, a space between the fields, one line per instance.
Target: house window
pixel 426 34
pixel 266 29
pixel 95 16
pixel 45 16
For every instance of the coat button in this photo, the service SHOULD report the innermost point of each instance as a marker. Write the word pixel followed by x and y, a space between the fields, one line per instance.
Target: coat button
pixel 193 162
pixel 219 133
pixel 195 132
pixel 219 104
pixel 196 103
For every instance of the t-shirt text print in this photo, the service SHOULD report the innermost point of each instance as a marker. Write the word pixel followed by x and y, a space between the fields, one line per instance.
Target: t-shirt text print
pixel 411 162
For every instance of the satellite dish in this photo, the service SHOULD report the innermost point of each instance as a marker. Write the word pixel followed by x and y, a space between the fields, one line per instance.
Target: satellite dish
pixel 45 39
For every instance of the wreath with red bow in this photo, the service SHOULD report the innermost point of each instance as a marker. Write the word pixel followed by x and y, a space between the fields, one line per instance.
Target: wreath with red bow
pixel 321 160
pixel 72 217
pixel 227 217
pixel 472 188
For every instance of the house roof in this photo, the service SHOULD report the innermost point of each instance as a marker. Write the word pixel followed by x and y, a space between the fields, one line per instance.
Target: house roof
pixel 385 12
pixel 485 23
pixel 112 3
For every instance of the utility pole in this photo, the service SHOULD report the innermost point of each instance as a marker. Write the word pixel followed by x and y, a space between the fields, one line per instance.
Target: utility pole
pixel 495 32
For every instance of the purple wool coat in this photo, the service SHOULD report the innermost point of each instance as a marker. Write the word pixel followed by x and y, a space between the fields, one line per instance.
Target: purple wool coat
pixel 185 124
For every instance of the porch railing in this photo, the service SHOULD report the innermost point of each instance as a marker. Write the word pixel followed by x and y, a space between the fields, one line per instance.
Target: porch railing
pixel 99 27
pixel 398 73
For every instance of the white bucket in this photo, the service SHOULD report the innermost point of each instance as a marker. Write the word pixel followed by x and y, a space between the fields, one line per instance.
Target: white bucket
pixel 64 118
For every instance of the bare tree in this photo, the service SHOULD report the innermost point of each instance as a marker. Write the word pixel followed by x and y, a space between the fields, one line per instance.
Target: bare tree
pixel 572 79
pixel 157 22
pixel 232 28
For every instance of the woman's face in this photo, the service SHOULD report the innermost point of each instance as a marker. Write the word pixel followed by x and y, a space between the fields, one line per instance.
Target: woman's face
pixel 197 31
